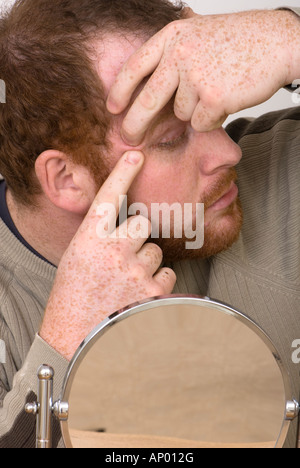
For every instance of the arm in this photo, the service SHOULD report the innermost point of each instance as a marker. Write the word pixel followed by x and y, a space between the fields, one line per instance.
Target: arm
pixel 218 65
pixel 294 86
pixel 101 272
pixel 17 429
pixel 105 268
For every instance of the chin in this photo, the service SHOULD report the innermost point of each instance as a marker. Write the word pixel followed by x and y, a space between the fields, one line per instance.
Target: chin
pixel 219 235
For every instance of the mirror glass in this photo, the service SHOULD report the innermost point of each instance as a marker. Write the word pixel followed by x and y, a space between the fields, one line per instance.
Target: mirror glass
pixel 175 374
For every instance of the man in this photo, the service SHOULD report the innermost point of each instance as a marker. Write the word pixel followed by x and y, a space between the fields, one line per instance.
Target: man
pixel 59 143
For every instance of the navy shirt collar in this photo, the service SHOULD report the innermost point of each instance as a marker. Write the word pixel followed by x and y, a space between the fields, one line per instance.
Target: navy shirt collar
pixel 7 219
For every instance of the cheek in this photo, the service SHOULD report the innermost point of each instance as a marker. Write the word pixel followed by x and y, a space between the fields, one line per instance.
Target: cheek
pixel 162 183
pixel 148 186
pixel 164 178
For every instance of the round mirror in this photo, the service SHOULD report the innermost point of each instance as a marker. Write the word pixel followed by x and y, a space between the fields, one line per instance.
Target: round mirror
pixel 176 371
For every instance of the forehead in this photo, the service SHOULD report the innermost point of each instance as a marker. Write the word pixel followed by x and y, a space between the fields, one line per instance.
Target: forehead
pixel 111 54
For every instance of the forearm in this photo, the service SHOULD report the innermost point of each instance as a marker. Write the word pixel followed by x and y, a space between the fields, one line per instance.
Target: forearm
pixel 292 21
pixel 17 429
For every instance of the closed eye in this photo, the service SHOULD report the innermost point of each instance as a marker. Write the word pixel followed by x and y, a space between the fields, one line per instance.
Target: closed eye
pixel 172 139
pixel 173 143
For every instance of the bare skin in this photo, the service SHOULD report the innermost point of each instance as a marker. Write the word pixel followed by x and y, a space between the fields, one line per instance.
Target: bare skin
pixel 97 276
pixel 217 65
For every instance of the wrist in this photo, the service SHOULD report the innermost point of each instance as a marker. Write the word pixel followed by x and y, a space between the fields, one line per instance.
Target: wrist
pixel 292 44
pixel 60 333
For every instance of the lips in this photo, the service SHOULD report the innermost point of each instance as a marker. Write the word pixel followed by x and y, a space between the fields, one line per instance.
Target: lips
pixel 227 199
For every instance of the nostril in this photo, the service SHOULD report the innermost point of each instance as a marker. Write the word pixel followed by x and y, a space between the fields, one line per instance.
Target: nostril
pixel 221 152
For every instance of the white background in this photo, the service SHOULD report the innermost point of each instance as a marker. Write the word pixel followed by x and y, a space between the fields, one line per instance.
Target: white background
pixel 282 99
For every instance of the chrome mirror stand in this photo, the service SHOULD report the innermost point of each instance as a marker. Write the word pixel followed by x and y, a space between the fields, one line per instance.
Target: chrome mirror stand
pixel 44 409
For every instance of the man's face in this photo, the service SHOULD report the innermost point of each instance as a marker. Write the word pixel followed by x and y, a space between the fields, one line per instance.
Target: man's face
pixel 181 166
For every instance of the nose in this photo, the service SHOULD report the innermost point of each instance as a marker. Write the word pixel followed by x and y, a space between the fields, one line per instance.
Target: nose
pixel 218 151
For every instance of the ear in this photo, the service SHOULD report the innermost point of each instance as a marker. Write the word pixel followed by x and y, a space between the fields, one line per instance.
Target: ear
pixel 68 186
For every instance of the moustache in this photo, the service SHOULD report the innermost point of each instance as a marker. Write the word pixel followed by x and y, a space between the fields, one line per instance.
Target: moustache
pixel 218 188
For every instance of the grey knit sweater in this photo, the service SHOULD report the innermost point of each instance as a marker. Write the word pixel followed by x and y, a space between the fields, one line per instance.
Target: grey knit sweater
pixel 259 275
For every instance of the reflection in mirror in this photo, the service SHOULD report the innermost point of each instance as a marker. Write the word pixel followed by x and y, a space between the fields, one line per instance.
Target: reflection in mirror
pixel 177 376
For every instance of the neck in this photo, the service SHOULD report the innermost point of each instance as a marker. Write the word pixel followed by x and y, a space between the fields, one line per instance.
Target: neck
pixel 48 229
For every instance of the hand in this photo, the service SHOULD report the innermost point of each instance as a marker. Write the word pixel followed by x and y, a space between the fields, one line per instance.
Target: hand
pixel 218 65
pixel 98 276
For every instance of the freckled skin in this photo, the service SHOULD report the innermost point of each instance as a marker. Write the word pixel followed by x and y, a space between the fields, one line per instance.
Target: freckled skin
pixel 203 52
pixel 219 65
pixel 98 276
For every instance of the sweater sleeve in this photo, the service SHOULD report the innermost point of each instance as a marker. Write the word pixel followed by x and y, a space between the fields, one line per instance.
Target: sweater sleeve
pixel 294 9
pixel 17 428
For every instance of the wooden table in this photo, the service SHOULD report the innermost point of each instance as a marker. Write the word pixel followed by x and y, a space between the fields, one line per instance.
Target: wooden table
pixel 82 439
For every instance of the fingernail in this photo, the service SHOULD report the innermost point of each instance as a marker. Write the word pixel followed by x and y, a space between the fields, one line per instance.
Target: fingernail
pixel 133 157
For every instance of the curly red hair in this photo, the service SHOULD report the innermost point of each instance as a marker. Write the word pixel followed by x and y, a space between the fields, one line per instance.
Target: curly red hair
pixel 54 97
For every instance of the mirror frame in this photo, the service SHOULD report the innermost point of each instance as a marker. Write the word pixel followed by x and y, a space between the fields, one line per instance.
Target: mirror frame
pixel 180 299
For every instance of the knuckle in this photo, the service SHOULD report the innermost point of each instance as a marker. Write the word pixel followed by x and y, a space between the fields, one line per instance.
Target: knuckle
pixel 138 272
pixel 117 251
pixel 212 97
pixel 117 258
pixel 147 99
pixel 197 121
pixel 172 28
pixel 158 290
pixel 156 252
pixel 181 112
pixel 132 64
pixel 181 51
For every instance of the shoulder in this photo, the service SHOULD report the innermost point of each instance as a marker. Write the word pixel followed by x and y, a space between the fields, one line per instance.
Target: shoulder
pixel 269 191
pixel 271 122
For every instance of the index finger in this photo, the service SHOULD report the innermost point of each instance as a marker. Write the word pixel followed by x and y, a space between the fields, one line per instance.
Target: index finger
pixel 116 185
